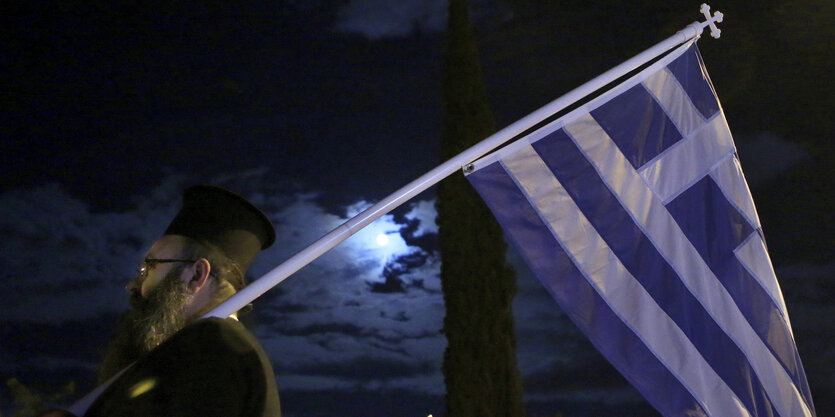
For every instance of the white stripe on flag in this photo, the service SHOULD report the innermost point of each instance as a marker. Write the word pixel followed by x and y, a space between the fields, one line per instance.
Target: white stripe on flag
pixel 690 159
pixel 728 176
pixel 621 291
pixel 675 101
pixel 649 213
pixel 754 257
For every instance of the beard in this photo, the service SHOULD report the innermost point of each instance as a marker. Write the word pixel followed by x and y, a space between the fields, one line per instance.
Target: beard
pixel 149 322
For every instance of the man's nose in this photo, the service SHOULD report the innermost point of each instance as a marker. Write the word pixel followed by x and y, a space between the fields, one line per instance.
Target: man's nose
pixel 132 286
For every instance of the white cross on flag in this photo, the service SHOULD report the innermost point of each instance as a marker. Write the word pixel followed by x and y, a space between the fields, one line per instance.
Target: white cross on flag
pixel 634 213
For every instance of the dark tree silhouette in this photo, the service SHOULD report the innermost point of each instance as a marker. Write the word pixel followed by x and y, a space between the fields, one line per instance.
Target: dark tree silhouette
pixel 480 363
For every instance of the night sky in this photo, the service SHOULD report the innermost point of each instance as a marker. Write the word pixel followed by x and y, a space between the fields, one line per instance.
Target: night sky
pixel 316 109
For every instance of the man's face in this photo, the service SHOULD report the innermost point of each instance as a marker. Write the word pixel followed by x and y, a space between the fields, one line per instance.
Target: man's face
pixel 160 296
pixel 158 308
pixel 161 313
pixel 166 247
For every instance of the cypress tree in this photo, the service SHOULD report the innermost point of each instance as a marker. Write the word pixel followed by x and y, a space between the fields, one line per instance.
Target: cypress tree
pixel 479 367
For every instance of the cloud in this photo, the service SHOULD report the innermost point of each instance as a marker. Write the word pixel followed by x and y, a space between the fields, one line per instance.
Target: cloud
pixel 71 263
pixel 377 19
pixel 59 251
pixel 331 315
pixel 372 368
pixel 395 273
pixel 419 228
pixel 382 19
pixel 424 213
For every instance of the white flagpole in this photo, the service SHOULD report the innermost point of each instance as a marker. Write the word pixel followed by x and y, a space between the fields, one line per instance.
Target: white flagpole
pixel 356 223
pixel 347 229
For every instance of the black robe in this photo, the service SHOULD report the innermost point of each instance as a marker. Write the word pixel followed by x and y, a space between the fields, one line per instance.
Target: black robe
pixel 213 367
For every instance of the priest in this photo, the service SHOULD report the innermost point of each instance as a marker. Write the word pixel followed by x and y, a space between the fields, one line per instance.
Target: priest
pixel 165 359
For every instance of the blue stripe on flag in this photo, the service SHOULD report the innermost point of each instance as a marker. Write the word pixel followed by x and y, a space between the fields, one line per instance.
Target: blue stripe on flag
pixel 716 241
pixel 690 72
pixel 582 303
pixel 639 138
pixel 643 261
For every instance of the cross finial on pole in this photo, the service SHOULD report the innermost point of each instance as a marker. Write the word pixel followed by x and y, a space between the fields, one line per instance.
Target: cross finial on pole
pixel 712 20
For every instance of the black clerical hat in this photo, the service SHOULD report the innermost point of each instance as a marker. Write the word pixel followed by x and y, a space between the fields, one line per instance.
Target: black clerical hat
pixel 230 222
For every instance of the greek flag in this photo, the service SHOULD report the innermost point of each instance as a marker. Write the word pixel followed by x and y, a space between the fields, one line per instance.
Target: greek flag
pixel 634 213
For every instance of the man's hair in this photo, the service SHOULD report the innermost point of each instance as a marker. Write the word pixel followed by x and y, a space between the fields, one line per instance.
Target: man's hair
pixel 223 269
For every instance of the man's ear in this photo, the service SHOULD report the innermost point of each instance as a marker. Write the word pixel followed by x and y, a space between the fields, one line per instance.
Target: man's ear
pixel 200 276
